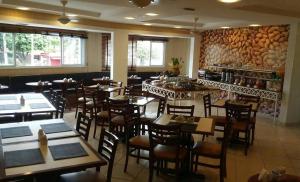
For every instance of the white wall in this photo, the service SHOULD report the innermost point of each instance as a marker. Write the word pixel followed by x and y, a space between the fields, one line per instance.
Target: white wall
pixel 289 111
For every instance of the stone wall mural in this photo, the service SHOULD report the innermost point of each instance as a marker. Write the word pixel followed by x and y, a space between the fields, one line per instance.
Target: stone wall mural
pixel 262 47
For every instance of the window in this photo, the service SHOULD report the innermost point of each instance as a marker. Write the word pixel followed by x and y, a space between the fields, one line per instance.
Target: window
pixel 146 53
pixel 106 51
pixel 24 49
pixel 6 49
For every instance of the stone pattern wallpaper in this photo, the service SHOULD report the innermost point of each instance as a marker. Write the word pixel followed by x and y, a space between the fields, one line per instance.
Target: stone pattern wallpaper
pixel 263 47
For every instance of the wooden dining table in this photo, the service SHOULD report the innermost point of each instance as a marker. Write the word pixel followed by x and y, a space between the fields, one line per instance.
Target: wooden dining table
pixel 25 157
pixel 220 103
pixel 39 86
pixel 34 103
pixel 135 100
pixel 106 88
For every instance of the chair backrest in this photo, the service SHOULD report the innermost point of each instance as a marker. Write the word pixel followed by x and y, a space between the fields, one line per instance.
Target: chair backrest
pixel 83 125
pixel 167 135
pixel 161 106
pixel 117 84
pixel 60 107
pixel 119 107
pixel 99 100
pixel 107 149
pixel 133 91
pixel 207 105
pixel 238 112
pixel 88 92
pixel 181 110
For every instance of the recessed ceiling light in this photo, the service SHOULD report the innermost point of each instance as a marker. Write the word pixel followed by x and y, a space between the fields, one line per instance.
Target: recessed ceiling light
pixel 177 27
pixel 129 18
pixel 254 25
pixel 225 27
pixel 229 1
pixel 147 24
pixel 151 14
pixel 72 15
pixel 23 8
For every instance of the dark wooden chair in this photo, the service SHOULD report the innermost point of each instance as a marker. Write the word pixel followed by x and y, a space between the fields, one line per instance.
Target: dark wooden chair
pixel 254 101
pixel 181 110
pixel 214 151
pixel 117 84
pixel 220 121
pixel 88 104
pixel 83 125
pixel 107 149
pixel 60 107
pixel 101 109
pixel 79 98
pixel 240 115
pixel 120 114
pixel 165 147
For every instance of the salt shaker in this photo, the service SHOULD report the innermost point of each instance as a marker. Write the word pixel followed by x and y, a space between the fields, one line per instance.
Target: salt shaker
pixel 22 100
pixel 42 137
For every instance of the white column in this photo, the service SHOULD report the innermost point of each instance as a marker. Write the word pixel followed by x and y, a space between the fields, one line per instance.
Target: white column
pixel 194 56
pixel 289 111
pixel 119 66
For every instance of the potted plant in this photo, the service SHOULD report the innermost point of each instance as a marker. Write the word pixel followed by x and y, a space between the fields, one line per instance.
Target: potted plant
pixel 176 65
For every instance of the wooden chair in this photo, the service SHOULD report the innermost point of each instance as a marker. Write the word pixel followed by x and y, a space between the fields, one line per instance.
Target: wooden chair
pixel 150 117
pixel 79 98
pixel 214 151
pixel 240 115
pixel 255 101
pixel 101 109
pixel 181 110
pixel 220 121
pixel 165 146
pixel 136 141
pixel 120 115
pixel 107 149
pixel 83 125
pixel 60 107
pixel 88 104
pixel 116 84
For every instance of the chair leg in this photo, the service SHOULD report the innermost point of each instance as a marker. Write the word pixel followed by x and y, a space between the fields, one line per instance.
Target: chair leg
pixel 138 156
pixel 157 167
pixel 253 134
pixel 95 129
pixel 126 159
pixel 151 166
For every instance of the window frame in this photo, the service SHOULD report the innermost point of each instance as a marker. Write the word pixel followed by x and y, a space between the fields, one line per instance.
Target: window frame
pixel 83 55
pixel 164 55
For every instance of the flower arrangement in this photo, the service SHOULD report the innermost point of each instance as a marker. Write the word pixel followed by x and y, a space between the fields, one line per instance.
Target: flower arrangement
pixel 176 65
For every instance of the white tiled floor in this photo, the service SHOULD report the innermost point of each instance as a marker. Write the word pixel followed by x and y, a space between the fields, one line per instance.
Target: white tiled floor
pixel 274 146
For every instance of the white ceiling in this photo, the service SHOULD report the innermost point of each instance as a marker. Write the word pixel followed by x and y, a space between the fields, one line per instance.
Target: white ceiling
pixel 211 13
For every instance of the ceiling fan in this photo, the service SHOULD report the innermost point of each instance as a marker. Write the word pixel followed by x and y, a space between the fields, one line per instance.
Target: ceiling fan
pixel 64 19
pixel 195 30
pixel 143 3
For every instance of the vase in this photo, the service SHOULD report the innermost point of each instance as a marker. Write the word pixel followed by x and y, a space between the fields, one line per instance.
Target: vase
pixel 175 71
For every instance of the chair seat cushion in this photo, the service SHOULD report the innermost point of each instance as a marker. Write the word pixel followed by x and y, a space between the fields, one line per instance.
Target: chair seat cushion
pixel 169 152
pixel 208 149
pixel 239 125
pixel 219 120
pixel 118 120
pixel 103 114
pixel 140 141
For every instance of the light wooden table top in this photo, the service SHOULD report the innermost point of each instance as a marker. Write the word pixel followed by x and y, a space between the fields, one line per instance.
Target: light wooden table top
pixel 6 99
pixel 198 125
pixel 91 160
pixel 34 127
pixel 135 100
pixel 221 104
pixel 106 88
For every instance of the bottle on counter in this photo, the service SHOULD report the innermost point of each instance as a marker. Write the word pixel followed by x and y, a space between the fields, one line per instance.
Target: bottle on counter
pixel 22 100
pixel 223 76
